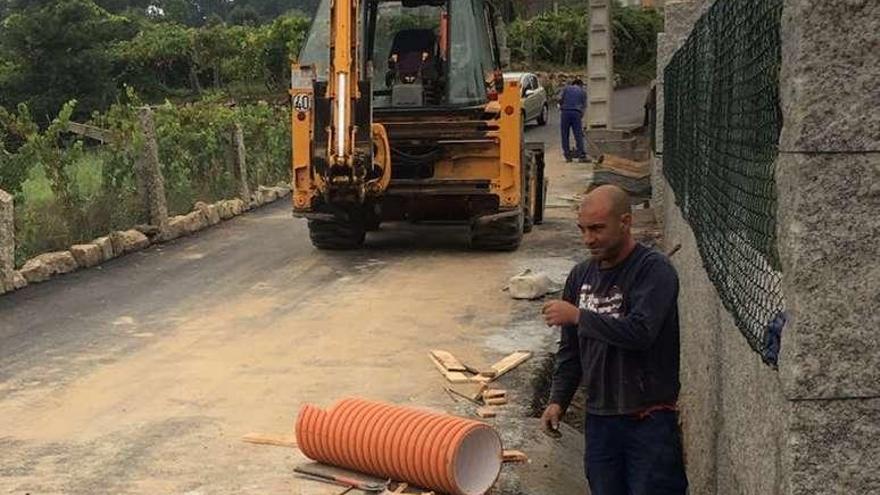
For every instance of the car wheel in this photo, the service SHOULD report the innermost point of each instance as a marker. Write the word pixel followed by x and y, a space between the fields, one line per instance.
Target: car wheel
pixel 543 117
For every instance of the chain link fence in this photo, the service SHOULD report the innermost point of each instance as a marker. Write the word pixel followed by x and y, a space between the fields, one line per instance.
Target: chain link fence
pixel 721 131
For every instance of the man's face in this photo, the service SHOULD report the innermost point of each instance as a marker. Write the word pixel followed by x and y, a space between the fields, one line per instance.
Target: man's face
pixel 603 232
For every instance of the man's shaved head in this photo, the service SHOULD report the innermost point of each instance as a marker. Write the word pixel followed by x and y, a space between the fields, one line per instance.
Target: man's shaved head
pixel 610 196
pixel 605 219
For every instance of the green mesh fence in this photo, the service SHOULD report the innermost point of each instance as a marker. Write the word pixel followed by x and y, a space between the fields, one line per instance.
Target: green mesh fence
pixel 721 131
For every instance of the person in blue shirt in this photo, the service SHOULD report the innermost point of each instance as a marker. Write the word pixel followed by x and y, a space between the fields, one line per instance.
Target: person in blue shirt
pixel 573 104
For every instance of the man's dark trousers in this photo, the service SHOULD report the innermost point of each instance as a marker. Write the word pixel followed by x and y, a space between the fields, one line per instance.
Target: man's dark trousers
pixel 626 455
pixel 571 121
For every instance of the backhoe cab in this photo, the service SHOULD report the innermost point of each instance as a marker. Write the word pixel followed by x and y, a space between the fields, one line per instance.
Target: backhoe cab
pixel 400 113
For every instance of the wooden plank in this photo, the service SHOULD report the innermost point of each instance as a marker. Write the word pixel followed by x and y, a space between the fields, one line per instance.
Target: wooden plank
pixel 496 401
pixel 494 393
pixel 261 439
pixel 90 131
pixel 510 362
pixel 470 391
pixel 487 412
pixel 625 167
pixel 481 379
pixel 450 362
pixel 452 376
pixel 514 456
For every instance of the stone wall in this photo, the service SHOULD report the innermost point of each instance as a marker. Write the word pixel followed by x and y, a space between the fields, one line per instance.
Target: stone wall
pixel 828 182
pixel 733 409
pixel 7 242
pixel 47 265
pixel 814 425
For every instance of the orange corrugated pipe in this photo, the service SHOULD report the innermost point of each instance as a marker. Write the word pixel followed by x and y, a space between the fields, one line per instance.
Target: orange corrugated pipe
pixel 445 453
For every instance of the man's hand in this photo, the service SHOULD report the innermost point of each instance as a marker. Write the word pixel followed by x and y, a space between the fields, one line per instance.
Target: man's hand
pixel 551 417
pixel 558 312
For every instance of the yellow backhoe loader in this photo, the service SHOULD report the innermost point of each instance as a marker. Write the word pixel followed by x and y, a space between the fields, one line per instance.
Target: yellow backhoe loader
pixel 400 113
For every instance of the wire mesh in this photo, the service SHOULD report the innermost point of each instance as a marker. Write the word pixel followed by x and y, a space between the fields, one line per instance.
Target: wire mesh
pixel 721 127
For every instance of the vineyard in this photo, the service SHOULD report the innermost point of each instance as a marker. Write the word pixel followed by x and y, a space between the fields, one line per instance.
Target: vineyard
pixel 558 42
pixel 69 189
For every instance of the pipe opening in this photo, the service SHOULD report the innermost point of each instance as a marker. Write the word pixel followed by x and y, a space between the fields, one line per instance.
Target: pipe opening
pixel 478 461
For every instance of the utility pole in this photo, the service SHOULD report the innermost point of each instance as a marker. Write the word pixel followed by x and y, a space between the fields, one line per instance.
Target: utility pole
pixel 600 66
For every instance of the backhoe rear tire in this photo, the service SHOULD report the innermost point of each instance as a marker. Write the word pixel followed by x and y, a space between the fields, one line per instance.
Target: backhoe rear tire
pixel 503 234
pixel 339 233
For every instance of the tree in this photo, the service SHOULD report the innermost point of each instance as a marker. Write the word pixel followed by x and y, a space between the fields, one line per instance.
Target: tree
pixel 635 42
pixel 58 51
pixel 244 15
pixel 159 60
pixel 14 132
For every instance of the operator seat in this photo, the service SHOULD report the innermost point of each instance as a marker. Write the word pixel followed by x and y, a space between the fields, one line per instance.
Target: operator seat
pixel 413 57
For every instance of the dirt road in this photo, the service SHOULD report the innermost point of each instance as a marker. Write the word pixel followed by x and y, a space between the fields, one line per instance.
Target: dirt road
pixel 142 375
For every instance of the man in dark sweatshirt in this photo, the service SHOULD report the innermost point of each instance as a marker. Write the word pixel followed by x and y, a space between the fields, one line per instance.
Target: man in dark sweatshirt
pixel 572 105
pixel 620 338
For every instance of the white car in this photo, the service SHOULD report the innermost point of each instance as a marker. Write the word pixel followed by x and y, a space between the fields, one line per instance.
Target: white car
pixel 534 97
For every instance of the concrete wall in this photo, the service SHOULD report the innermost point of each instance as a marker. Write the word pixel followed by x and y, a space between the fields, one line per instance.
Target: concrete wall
pixel 814 425
pixel 733 409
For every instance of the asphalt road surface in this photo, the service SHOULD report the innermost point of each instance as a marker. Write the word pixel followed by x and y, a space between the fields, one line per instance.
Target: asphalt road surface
pixel 141 376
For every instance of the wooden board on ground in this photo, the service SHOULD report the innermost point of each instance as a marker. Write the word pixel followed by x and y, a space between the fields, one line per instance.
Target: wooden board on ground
pixel 514 456
pixel 496 401
pixel 494 393
pixel 487 412
pixel 506 364
pixel 625 167
pixel 261 439
pixel 448 361
pixel 471 391
pixel 452 376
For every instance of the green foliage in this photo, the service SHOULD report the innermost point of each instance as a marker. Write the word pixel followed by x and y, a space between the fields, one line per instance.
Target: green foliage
pixel 58 50
pixel 67 191
pixel 120 154
pixel 52 186
pixel 14 131
pixel 560 40
pixel 159 60
pixel 197 155
pixel 635 42
pixel 167 59
pixel 43 149
pixel 195 152
pixel 244 15
pixel 267 137
pixel 196 13
pixel 279 42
